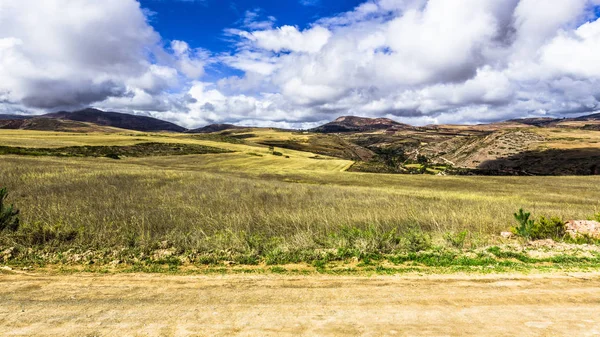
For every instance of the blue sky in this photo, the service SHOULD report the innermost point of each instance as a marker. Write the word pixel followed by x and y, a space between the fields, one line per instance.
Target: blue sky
pixel 201 23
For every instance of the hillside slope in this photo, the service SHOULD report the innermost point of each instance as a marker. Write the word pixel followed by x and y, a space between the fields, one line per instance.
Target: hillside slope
pixel 358 124
pixel 215 128
pixel 51 124
pixel 13 117
pixel 119 120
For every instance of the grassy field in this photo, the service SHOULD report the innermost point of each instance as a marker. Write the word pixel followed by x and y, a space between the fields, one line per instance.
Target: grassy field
pixel 250 204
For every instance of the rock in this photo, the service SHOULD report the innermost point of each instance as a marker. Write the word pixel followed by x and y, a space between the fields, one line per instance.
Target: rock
pixel 577 228
pixel 507 235
pixel 7 254
pixel 6 268
pixel 163 253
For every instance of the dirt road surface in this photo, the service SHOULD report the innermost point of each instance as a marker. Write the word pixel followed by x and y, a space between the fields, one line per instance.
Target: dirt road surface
pixel 239 305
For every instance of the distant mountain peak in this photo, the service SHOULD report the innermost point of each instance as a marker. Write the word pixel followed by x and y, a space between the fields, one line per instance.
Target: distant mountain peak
pixel 359 124
pixel 215 128
pixel 117 119
pixel 364 120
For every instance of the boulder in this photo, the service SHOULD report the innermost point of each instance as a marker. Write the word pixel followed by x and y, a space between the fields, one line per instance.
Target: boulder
pixel 576 228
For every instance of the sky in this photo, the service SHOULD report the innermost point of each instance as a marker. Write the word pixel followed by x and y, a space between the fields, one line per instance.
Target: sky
pixel 300 63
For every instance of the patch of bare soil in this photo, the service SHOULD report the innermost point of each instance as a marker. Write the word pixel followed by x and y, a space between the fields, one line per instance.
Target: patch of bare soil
pixel 241 305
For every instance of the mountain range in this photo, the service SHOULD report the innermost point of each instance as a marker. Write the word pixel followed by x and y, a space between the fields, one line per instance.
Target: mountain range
pixel 538 146
pixel 92 118
pixel 61 121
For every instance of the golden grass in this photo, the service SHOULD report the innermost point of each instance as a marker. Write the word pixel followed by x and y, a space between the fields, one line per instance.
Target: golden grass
pixel 565 138
pixel 191 199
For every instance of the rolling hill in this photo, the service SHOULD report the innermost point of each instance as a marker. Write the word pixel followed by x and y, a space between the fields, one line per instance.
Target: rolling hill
pixel 539 146
pixel 118 120
pixel 359 124
pixel 52 124
pixel 12 117
pixel 215 128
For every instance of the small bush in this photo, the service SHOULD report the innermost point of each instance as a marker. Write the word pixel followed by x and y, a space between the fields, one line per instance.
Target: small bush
pixel 548 228
pixel 544 228
pixel 363 241
pixel 457 240
pixel 523 228
pixel 582 239
pixel 597 217
pixel 423 160
pixel 9 216
pixel 417 240
pixel 275 153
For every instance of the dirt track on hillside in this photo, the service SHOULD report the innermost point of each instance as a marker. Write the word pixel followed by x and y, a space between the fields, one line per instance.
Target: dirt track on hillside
pixel 158 305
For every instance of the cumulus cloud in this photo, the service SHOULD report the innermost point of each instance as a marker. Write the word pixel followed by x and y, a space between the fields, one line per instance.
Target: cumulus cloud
pixel 58 54
pixel 430 61
pixel 419 61
pixel 289 38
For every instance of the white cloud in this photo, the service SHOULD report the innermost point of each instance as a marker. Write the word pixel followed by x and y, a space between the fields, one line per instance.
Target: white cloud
pixel 288 38
pixel 575 53
pixel 189 62
pixel 419 61
pixel 253 19
pixel 58 54
pixel 460 61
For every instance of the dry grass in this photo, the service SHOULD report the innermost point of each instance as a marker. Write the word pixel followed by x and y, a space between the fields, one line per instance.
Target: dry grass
pixel 249 200
pixel 151 200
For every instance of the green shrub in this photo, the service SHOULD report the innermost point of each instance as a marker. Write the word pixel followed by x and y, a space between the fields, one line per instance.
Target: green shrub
pixel 597 217
pixel 363 241
pixel 417 240
pixel 582 239
pixel 275 153
pixel 423 160
pixel 548 228
pixel 9 216
pixel 544 228
pixel 523 228
pixel 457 240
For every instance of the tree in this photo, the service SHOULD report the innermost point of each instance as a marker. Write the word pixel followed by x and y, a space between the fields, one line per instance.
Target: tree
pixel 392 157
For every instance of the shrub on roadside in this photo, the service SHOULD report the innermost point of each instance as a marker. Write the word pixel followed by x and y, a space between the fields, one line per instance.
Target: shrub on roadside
pixel 544 228
pixel 417 240
pixel 457 240
pixel 548 228
pixel 524 224
pixel 9 216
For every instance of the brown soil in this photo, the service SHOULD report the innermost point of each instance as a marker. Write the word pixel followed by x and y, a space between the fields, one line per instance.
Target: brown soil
pixel 241 305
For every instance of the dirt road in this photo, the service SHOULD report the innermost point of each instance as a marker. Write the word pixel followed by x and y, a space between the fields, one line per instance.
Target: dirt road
pixel 158 305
